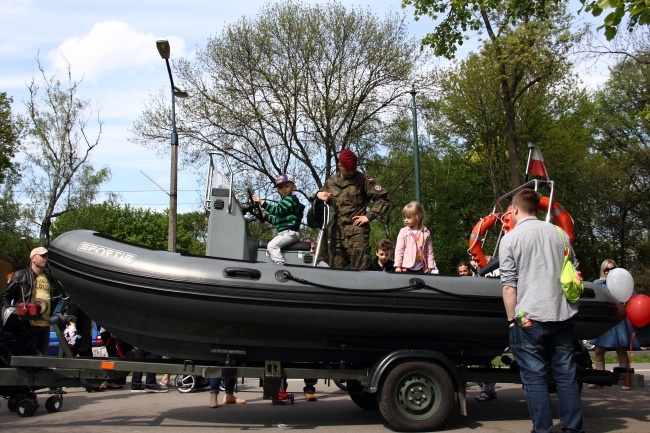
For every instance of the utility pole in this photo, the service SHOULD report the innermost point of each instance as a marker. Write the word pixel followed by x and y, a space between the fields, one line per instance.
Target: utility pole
pixel 416 149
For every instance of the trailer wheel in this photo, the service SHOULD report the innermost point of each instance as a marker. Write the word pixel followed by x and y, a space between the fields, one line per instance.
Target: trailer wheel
pixel 363 399
pixel 26 407
pixel 54 403
pixel 12 404
pixel 416 396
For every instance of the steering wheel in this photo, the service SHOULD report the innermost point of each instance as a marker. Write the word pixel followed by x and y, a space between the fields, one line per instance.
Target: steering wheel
pixel 253 207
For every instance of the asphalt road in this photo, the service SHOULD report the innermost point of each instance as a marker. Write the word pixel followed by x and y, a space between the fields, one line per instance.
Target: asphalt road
pixel 605 410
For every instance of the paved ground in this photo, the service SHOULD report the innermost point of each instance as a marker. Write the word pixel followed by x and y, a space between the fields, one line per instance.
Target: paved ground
pixel 605 410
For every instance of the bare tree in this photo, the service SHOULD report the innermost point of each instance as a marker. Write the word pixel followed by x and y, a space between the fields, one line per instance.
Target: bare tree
pixel 57 149
pixel 288 89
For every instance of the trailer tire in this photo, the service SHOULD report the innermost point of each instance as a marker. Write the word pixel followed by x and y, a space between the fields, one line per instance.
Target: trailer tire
pixel 363 399
pixel 416 396
pixel 53 403
pixel 26 407
pixel 12 404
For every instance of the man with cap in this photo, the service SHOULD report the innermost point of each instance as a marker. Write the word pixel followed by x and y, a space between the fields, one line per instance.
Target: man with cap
pixel 31 285
pixel 349 192
pixel 285 216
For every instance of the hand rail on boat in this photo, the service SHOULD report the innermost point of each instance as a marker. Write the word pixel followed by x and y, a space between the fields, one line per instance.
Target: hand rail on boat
pixel 207 202
pixel 537 184
pixel 326 220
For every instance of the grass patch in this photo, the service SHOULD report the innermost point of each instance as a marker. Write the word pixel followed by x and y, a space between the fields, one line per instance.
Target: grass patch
pixel 610 358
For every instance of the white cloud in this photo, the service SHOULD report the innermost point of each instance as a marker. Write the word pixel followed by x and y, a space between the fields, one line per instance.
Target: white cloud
pixel 110 46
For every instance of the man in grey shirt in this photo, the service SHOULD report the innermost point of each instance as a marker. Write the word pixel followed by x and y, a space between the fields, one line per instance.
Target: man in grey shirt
pixel 539 315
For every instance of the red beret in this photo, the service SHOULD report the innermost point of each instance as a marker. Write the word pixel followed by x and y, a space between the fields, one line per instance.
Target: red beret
pixel 348 159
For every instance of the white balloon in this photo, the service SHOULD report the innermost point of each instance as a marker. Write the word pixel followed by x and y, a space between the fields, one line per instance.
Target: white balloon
pixel 620 284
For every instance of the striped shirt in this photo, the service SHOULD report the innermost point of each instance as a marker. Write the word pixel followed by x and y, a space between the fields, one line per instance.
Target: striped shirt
pixel 286 215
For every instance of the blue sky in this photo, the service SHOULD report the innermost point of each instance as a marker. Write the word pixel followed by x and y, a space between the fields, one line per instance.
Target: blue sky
pixel 111 44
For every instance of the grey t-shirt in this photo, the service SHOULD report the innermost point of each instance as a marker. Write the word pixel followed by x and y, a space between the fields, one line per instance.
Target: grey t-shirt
pixel 531 258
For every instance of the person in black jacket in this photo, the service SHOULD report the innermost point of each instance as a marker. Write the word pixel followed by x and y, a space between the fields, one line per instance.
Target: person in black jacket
pixel 31 285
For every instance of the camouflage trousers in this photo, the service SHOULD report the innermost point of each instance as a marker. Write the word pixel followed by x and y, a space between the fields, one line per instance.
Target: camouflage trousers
pixel 352 252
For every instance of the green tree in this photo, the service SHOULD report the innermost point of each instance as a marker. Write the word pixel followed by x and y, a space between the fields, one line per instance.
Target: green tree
pixel 527 44
pixel 140 226
pixel 57 151
pixel 637 12
pixel 9 136
pixel 622 169
pixel 287 90
pixel 461 16
pixel 11 230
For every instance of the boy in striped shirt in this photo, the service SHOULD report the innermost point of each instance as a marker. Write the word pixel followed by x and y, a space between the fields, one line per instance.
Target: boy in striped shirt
pixel 285 217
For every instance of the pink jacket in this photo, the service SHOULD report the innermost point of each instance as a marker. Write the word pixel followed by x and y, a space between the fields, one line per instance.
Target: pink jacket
pixel 406 249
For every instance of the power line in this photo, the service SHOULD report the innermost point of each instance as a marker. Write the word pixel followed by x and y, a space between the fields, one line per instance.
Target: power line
pixel 153 190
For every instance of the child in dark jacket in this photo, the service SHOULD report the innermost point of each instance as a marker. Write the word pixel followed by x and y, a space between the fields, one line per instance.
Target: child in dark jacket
pixel 383 261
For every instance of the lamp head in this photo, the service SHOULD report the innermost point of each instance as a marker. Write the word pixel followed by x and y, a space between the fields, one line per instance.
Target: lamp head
pixel 180 91
pixel 163 48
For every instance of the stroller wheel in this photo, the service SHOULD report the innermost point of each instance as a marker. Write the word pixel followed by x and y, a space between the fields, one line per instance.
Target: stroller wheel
pixel 26 407
pixel 185 383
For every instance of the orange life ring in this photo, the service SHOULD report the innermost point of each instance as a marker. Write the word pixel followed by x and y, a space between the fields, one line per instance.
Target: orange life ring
pixel 508 221
pixel 479 230
pixel 560 215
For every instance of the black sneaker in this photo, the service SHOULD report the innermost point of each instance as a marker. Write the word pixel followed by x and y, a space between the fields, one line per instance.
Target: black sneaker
pixel 137 387
pixel 154 387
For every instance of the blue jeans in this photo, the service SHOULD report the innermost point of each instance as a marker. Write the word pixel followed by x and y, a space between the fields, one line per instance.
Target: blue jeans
pixel 150 379
pixel 540 349
pixel 229 385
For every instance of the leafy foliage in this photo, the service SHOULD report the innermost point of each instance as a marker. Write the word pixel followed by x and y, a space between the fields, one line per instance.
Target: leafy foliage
pixel 140 226
pixel 637 11
pixel 9 136
pixel 461 16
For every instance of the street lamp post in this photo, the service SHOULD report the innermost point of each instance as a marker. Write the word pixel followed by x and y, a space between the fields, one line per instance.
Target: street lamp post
pixel 416 149
pixel 164 50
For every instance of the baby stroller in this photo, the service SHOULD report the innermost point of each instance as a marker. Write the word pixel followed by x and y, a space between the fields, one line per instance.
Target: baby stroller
pixel 22 399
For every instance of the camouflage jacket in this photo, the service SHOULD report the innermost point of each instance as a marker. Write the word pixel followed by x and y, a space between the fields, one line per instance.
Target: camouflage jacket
pixel 351 197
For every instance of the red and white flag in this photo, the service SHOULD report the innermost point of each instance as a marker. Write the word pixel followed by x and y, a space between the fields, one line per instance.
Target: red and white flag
pixel 536 166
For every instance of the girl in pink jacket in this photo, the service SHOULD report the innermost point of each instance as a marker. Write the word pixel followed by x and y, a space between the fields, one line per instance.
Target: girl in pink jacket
pixel 414 251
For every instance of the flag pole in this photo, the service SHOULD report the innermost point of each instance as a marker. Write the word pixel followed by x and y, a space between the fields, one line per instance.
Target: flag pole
pixel 531 146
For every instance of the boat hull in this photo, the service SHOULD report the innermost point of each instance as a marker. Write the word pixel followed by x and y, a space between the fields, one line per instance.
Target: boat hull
pixel 212 309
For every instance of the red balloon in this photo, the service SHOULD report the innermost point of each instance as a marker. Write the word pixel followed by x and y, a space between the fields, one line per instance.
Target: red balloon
pixel 638 310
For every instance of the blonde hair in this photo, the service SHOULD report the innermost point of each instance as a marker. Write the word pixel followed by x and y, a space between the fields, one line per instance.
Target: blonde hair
pixel 604 265
pixel 416 211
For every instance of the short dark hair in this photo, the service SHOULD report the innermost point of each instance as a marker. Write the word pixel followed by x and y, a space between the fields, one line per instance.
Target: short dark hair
pixel 527 200
pixel 385 244
pixel 463 264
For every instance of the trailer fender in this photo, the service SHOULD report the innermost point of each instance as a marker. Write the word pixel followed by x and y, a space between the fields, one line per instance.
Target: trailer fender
pixel 385 364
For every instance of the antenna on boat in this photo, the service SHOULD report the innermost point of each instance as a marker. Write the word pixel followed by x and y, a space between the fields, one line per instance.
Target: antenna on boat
pixel 154 182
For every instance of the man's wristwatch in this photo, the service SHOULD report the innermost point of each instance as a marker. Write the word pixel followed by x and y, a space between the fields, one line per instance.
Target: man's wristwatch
pixel 511 323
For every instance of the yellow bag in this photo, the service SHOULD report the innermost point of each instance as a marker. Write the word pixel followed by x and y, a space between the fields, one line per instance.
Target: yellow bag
pixel 571 282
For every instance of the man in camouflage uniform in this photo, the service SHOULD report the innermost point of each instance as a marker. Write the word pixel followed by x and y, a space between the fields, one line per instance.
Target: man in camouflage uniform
pixel 349 192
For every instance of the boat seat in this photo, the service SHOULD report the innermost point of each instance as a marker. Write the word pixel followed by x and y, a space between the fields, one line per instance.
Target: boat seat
pixel 296 246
